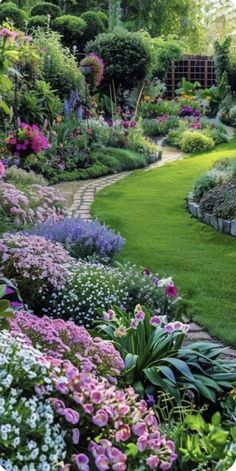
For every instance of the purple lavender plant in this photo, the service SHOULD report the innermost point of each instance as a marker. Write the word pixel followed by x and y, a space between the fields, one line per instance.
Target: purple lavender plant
pixel 81 238
pixel 189 111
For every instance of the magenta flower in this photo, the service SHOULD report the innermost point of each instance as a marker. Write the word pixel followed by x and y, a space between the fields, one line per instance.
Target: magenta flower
pixel 171 291
pixel 82 462
pixel 96 397
pixel 140 316
pixel 155 321
pixel 165 466
pixel 102 462
pixel 9 290
pixel 119 466
pixel 2 169
pixel 72 416
pixel 140 428
pixel 101 418
pixel 153 461
pixel 123 434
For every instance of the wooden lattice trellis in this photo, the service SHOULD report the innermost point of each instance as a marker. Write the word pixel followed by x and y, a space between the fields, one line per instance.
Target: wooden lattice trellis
pixel 193 68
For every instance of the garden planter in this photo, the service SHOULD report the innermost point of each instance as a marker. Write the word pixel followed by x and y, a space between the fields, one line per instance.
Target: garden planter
pixel 219 224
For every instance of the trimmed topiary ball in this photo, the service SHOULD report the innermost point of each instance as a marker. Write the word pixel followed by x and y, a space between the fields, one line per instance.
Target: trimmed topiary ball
pixel 126 56
pixel 94 25
pixel 71 28
pixel 38 21
pixel 12 12
pixel 46 8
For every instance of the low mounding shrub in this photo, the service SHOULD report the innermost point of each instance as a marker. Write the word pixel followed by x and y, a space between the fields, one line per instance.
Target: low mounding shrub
pixel 38 21
pixel 202 185
pixel 94 25
pixel 30 433
pixel 81 238
pixel 47 8
pixel 194 141
pixel 38 266
pixel 220 201
pixel 92 286
pixel 12 12
pixel 125 54
pixel 68 341
pixel 71 28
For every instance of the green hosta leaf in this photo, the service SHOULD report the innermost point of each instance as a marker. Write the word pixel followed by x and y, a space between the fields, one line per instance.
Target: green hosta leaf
pixel 130 361
pixel 205 390
pixel 166 371
pixel 138 387
pixel 181 366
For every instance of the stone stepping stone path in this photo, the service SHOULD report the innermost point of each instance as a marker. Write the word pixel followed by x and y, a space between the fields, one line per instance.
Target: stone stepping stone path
pixel 79 198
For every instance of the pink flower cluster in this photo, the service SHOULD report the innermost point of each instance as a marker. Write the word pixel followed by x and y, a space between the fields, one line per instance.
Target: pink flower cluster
pixel 97 67
pixel 112 420
pixel 16 204
pixel 66 340
pixel 26 140
pixel 35 264
pixel 49 202
pixel 2 169
pixel 163 118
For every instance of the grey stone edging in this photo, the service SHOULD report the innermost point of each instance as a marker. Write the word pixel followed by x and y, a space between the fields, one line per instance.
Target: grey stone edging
pixel 222 225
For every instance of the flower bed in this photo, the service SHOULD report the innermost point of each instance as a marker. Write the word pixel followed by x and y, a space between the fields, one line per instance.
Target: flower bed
pixel 213 197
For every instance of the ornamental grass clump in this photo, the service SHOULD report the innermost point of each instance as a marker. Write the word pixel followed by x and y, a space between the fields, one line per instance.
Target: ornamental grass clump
pixel 82 238
pixel 31 437
pixel 38 266
pixel 68 341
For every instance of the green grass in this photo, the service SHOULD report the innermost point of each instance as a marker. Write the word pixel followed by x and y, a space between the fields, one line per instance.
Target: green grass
pixel 149 210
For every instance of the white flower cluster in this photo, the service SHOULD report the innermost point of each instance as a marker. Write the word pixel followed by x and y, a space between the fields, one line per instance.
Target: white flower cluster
pixel 89 287
pixel 30 440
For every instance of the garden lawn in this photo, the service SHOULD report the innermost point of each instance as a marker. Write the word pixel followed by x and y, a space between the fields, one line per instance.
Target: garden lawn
pixel 149 210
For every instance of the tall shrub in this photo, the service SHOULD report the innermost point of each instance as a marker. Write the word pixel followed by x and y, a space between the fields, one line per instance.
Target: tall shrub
pixel 126 56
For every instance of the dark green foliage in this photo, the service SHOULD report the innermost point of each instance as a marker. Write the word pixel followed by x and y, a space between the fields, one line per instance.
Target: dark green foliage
pixel 12 12
pixel 202 185
pixel 60 67
pixel 126 57
pixel 220 201
pixel 103 17
pixel 104 161
pixel 38 21
pixel 71 28
pixel 221 57
pixel 38 103
pixel 94 26
pixel 46 8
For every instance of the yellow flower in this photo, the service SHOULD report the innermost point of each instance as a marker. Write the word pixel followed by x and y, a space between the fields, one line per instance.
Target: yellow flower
pixel 147 98
pixel 58 119
pixel 233 393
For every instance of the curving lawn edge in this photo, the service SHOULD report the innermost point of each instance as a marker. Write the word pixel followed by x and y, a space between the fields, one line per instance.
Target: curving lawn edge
pixel 149 209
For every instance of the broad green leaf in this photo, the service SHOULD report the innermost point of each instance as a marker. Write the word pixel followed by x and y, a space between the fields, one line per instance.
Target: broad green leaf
pixel 168 373
pixel 181 366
